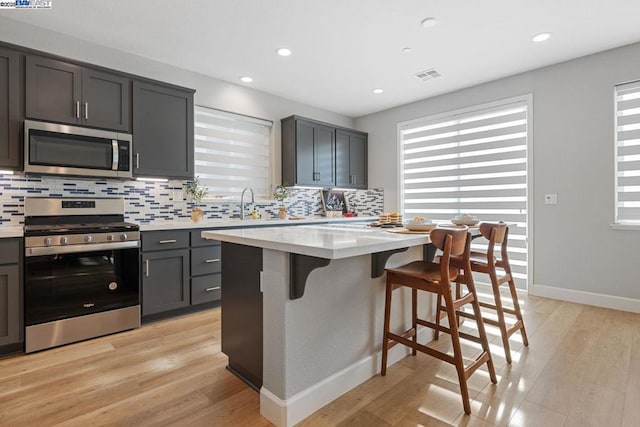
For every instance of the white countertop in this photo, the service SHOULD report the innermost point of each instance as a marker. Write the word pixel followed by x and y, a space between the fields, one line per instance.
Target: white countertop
pixel 331 241
pixel 7 231
pixel 237 223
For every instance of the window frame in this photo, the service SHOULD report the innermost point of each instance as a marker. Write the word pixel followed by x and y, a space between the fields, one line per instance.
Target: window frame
pixel 527 99
pixel 269 177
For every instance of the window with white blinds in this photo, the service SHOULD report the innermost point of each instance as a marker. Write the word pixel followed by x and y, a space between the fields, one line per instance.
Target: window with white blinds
pixel 627 137
pixel 474 162
pixel 232 152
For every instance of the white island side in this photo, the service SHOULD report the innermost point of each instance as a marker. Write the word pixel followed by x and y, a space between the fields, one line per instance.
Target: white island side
pixel 303 309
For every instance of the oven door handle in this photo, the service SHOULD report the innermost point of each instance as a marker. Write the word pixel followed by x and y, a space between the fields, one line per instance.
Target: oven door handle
pixel 54 250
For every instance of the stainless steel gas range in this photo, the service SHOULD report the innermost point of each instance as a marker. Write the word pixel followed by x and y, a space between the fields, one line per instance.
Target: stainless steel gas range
pixel 81 270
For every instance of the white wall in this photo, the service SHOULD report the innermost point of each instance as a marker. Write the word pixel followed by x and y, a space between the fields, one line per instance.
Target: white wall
pixel 575 250
pixel 210 92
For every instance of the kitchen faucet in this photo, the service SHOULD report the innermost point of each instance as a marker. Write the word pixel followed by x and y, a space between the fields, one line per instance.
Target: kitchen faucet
pixel 242 201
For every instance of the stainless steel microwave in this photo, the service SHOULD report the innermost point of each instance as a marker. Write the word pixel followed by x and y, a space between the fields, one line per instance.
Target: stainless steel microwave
pixel 51 148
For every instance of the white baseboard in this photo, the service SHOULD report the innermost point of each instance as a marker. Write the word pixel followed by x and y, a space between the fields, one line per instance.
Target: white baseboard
pixel 589 298
pixel 286 413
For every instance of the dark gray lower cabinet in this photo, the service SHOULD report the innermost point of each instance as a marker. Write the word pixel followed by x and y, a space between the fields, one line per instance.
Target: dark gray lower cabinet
pixel 11 317
pixel 242 311
pixel 179 270
pixel 165 281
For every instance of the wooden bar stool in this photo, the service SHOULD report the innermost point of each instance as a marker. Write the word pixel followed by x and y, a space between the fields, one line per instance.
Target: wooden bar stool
pixel 487 263
pixel 437 278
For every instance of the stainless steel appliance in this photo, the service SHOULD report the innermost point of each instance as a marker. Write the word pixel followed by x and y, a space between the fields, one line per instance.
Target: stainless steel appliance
pixel 51 148
pixel 81 270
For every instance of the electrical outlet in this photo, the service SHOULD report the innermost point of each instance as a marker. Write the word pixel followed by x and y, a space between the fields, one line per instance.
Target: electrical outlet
pixel 550 199
pixel 178 196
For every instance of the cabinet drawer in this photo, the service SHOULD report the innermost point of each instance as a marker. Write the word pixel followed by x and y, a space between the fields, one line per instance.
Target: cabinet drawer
pixel 197 240
pixel 206 260
pixel 161 240
pixel 206 288
pixel 9 251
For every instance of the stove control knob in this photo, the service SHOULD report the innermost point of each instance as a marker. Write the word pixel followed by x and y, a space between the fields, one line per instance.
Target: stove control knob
pixel 110 238
pixel 88 239
pixel 48 241
pixel 64 240
pixel 124 236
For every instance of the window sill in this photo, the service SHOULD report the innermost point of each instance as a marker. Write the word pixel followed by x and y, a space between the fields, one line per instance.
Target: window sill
pixel 625 227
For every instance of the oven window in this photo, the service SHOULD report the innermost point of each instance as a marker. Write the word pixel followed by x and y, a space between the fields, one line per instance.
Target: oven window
pixel 56 149
pixel 68 285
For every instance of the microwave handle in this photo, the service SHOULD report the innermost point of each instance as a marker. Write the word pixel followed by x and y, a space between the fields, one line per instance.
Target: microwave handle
pixel 114 147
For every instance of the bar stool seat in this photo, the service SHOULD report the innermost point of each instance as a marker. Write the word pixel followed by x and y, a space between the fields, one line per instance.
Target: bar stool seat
pixel 437 278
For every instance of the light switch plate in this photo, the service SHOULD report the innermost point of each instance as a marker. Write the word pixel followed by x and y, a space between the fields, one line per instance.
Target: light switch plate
pixel 550 199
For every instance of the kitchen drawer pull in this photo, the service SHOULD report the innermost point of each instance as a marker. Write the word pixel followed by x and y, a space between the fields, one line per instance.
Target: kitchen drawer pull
pixel 162 242
pixel 212 260
pixel 146 268
pixel 212 289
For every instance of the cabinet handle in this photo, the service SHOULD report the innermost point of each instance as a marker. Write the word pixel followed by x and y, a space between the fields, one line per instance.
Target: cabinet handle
pixel 86 111
pixel 212 260
pixel 212 289
pixel 146 268
pixel 137 160
pixel 162 242
pixel 77 109
pixel 355 180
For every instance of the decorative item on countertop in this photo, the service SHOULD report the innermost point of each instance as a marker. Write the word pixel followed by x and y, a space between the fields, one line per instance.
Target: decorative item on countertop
pixel 280 193
pixel 333 203
pixel 197 192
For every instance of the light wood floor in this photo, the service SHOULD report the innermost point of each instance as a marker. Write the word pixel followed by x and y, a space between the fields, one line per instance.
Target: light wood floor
pixel 582 368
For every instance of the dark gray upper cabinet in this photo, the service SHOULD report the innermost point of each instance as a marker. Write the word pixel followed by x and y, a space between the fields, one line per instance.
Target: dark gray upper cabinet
pixel 314 153
pixel 351 159
pixel 162 131
pixel 10 144
pixel 322 155
pixel 63 92
pixel 106 100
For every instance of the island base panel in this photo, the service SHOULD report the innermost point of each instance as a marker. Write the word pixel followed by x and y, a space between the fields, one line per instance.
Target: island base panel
pixel 241 306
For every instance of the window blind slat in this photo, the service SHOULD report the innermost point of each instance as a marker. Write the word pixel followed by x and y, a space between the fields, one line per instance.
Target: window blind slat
pixel 472 162
pixel 232 152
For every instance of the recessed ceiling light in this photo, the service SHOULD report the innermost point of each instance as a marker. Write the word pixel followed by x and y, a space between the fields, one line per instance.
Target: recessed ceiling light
pixel 246 79
pixel 283 51
pixel 406 50
pixel 541 37
pixel 429 22
pixel 377 91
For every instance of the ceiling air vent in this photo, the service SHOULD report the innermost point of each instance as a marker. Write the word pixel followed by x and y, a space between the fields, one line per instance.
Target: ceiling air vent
pixel 427 74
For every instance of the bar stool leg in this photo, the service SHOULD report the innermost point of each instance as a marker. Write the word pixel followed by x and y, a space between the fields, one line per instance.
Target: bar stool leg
pixel 500 313
pixel 457 351
pixel 436 333
pixel 481 331
pixel 516 307
pixel 387 321
pixel 414 319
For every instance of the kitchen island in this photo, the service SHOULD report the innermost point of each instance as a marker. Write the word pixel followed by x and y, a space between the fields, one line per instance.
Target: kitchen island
pixel 303 307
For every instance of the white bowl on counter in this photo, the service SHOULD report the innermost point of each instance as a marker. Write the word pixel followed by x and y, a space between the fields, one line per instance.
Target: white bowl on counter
pixel 467 220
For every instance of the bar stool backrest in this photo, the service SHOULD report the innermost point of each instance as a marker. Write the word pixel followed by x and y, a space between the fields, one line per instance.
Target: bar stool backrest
pixel 487 228
pixel 458 239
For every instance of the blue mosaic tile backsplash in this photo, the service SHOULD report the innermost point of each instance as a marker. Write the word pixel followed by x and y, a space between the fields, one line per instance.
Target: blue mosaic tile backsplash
pixel 146 202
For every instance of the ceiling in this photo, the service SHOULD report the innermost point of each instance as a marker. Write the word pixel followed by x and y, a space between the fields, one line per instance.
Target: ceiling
pixel 342 49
